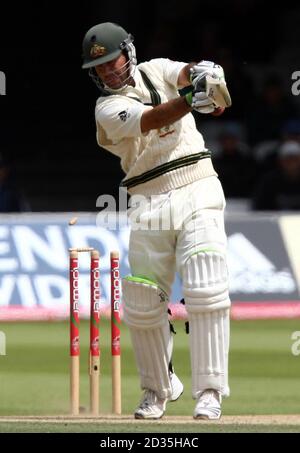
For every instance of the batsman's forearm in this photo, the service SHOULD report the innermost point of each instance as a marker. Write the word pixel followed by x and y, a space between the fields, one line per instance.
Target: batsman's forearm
pixel 164 114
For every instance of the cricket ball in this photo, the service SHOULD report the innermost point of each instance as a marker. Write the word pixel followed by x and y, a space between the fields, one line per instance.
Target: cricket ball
pixel 218 111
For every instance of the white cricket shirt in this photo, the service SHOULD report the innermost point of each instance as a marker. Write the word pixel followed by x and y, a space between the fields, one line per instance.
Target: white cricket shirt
pixel 162 159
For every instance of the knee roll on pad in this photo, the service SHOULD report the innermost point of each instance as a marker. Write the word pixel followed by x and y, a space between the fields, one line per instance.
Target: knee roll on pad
pixel 145 313
pixel 144 303
pixel 205 282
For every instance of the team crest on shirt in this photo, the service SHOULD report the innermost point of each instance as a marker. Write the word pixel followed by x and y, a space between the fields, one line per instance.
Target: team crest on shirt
pixel 97 51
pixel 165 131
pixel 124 115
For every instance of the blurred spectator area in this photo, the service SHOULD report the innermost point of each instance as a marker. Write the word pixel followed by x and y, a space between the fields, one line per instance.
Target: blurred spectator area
pixel 12 198
pixel 47 118
pixel 73 180
pixel 279 188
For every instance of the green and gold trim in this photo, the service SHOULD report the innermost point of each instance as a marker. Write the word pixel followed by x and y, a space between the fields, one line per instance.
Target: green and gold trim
pixel 165 168
pixel 155 96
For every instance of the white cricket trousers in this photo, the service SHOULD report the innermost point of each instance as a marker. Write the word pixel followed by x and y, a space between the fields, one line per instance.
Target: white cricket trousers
pixel 183 230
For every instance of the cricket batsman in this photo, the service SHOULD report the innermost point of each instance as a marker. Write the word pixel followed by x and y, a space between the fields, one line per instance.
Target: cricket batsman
pixel 142 118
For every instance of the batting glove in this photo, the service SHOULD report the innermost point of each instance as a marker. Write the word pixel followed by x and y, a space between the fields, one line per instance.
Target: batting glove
pixel 204 68
pixel 200 102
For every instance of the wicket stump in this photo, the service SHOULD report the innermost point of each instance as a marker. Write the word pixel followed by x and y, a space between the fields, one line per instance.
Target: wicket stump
pixel 74 333
pixel 94 333
pixel 115 333
pixel 94 353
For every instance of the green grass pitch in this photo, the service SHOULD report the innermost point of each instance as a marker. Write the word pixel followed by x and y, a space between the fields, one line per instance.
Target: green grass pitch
pixel 34 375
